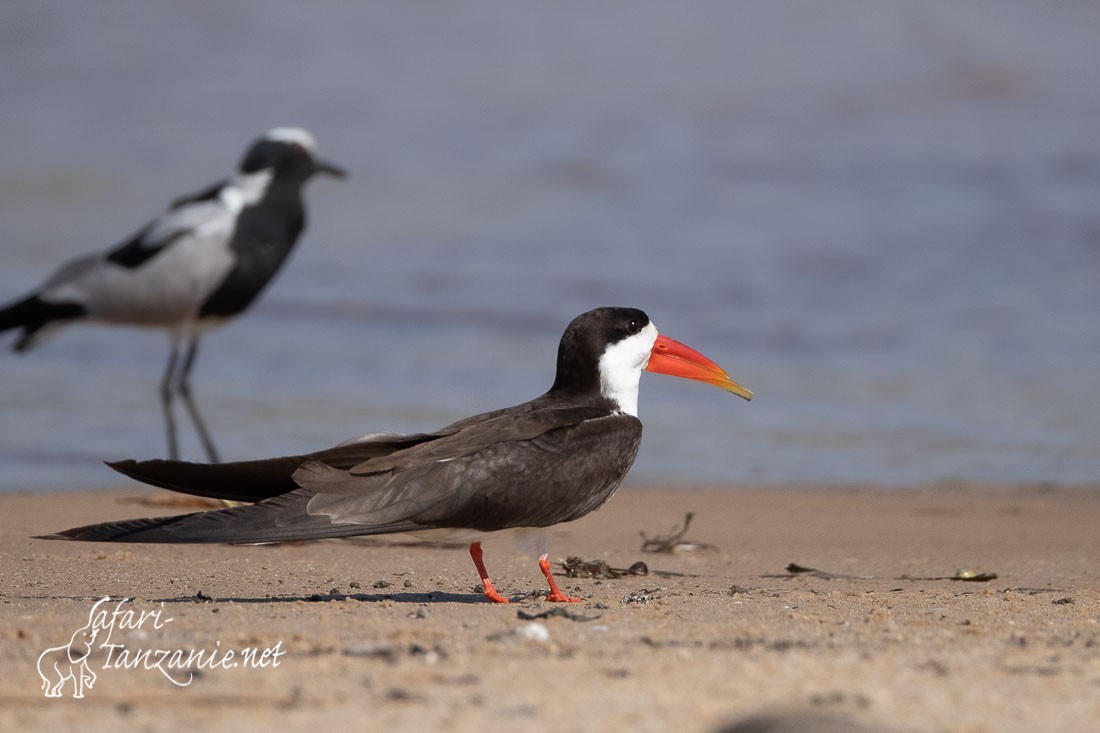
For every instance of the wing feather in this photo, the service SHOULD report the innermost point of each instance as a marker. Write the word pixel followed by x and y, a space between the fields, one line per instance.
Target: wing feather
pixel 283 518
pixel 531 466
pixel 255 480
pixel 533 479
pixel 185 216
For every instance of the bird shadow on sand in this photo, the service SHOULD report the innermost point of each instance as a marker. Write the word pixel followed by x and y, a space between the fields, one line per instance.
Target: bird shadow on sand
pixel 421 598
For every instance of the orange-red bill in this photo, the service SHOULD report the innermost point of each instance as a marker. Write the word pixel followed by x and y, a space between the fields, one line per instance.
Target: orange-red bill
pixel 675 359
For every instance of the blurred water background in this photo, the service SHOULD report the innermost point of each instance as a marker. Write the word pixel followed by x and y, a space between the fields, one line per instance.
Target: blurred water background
pixel 883 217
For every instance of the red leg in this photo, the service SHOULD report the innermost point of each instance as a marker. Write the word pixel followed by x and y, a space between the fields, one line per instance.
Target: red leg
pixel 490 591
pixel 555 592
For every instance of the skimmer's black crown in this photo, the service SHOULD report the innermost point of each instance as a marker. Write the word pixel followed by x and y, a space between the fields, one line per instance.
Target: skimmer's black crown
pixel 586 339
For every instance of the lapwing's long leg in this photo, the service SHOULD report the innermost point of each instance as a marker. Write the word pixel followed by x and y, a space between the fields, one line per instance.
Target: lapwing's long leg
pixel 184 386
pixel 167 387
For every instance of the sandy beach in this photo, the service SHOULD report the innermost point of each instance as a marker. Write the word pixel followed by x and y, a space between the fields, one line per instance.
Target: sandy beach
pixel 880 217
pixel 396 636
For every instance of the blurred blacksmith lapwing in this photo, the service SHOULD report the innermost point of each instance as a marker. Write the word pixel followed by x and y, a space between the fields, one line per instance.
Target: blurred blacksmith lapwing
pixel 192 268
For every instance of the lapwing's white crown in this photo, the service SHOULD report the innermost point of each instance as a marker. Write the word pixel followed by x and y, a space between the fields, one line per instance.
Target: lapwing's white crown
pixel 294 135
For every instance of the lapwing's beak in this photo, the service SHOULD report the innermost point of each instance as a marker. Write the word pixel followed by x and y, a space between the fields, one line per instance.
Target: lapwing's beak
pixel 329 169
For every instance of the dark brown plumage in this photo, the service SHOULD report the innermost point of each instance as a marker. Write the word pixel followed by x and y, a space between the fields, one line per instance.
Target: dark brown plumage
pixel 550 460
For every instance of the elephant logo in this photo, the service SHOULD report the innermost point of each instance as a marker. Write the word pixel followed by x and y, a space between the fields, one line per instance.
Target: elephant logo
pixel 69 662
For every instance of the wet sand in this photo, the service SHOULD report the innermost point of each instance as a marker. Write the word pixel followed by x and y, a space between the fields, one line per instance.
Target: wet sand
pixel 388 636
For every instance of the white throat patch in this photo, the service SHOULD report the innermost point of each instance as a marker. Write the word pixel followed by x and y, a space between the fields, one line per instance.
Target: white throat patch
pixel 621 369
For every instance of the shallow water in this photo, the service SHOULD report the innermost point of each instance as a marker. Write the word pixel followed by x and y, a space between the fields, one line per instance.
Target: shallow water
pixel 883 219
